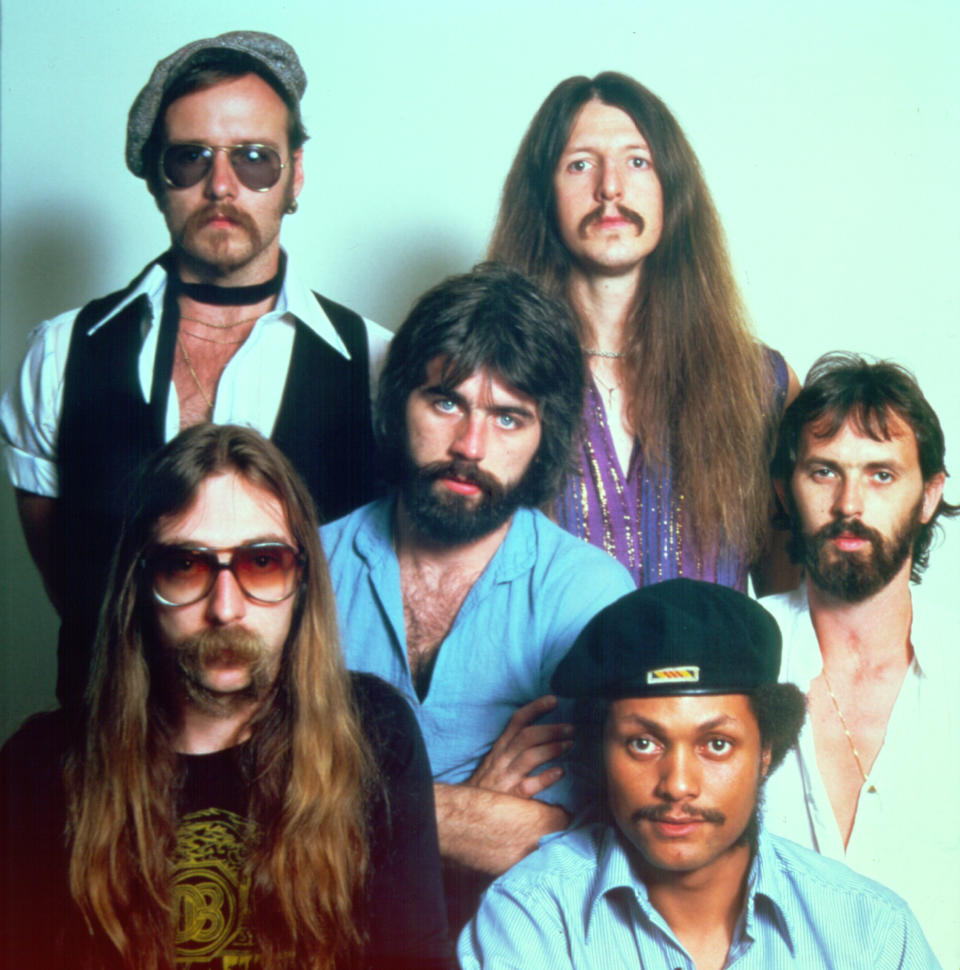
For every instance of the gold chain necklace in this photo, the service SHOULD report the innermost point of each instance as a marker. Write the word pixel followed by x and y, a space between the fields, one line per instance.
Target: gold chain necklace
pixel 211 340
pixel 846 730
pixel 220 326
pixel 193 374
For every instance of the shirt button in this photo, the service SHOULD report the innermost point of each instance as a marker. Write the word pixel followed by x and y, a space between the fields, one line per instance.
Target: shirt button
pixel 872 789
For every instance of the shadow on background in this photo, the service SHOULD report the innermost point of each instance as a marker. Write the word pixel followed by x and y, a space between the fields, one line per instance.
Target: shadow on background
pixel 46 268
pixel 49 271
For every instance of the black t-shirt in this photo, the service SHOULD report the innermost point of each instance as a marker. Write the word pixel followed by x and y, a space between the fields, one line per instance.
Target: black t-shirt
pixel 403 911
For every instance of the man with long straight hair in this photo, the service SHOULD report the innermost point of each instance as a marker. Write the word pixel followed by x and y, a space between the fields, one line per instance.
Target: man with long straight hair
pixel 605 206
pixel 860 468
pixel 234 796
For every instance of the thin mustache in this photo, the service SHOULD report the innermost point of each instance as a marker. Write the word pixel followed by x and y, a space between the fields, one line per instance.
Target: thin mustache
pixel 660 813
pixel 597 214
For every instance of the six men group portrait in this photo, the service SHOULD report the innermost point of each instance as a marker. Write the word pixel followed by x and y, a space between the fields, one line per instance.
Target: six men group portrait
pixel 441 647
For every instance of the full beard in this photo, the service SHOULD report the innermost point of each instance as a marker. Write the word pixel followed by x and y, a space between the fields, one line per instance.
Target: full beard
pixel 451 519
pixel 235 645
pixel 853 576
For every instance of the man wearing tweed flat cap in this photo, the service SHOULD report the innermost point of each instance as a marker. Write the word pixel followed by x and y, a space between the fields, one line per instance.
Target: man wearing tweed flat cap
pixel 680 721
pixel 218 328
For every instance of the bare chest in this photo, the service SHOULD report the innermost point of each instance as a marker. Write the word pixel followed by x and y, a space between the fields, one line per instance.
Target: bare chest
pixel 848 733
pixel 610 385
pixel 430 606
pixel 197 368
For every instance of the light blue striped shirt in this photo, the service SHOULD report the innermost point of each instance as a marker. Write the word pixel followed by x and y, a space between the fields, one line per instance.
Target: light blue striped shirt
pixel 576 902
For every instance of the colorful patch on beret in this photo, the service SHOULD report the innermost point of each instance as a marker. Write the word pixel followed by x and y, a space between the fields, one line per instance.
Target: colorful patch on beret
pixel 665 675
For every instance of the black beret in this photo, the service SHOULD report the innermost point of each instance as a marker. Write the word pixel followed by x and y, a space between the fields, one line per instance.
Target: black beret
pixel 683 636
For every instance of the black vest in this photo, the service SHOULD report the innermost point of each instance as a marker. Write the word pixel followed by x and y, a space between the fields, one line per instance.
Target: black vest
pixel 107 431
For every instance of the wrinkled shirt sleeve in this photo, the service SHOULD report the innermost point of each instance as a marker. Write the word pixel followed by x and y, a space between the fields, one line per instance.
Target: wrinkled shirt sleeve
pixel 30 409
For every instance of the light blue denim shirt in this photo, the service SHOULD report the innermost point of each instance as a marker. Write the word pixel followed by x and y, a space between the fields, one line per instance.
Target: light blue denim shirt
pixel 515 625
pixel 577 902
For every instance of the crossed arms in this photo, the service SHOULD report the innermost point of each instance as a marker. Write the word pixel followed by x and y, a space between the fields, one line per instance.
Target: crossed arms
pixel 491 821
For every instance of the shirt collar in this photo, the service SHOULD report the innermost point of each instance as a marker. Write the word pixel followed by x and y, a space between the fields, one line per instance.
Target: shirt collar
pixel 514 556
pixel 151 283
pixel 927 623
pixel 930 618
pixel 614 872
pixel 374 538
pixel 296 299
pixel 765 883
pixel 294 302
pixel 801 660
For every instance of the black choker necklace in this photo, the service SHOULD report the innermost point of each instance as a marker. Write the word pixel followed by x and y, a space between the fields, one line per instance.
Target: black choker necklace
pixel 228 295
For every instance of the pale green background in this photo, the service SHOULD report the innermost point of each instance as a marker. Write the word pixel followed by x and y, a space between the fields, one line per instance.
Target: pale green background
pixel 828 133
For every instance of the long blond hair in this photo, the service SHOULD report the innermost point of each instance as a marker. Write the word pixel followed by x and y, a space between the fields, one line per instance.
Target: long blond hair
pixel 311 769
pixel 698 382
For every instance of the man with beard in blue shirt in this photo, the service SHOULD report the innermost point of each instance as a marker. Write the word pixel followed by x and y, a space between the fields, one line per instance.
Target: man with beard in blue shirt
pixel 455 588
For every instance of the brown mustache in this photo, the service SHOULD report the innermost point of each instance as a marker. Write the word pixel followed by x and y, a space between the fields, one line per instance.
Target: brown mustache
pixel 199 649
pixel 597 215
pixel 467 471
pixel 661 813
pixel 221 210
pixel 853 527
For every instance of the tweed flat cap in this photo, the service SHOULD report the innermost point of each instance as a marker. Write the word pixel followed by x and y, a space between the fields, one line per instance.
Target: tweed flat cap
pixel 276 55
pixel 683 636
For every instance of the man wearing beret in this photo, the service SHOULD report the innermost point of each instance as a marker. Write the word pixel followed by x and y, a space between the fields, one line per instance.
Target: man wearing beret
pixel 219 328
pixel 680 720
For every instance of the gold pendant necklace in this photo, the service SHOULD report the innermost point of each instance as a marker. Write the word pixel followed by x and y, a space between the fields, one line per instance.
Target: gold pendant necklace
pixel 846 730
pixel 609 389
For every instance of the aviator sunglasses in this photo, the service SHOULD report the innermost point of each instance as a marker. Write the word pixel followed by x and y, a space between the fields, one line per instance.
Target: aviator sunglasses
pixel 258 167
pixel 267 572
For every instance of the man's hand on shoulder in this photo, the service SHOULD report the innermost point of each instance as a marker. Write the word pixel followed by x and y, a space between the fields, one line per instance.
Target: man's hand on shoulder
pixel 522 748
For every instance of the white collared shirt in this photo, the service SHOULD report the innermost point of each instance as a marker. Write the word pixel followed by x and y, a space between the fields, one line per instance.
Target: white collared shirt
pixel 248 393
pixel 905 833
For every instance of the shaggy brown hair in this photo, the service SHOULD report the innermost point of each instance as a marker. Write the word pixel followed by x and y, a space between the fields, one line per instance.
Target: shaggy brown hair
pixel 309 761
pixel 843 386
pixel 697 380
